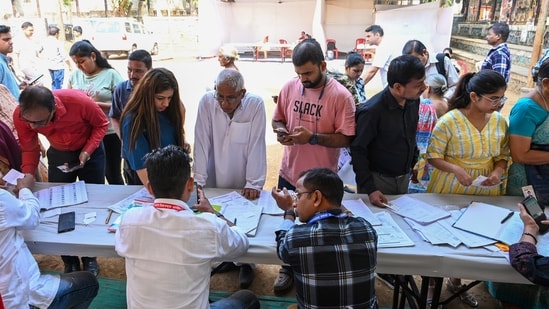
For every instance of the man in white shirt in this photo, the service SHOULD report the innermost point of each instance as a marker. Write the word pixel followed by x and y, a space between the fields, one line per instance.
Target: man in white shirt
pixel 57 57
pixel 382 57
pixel 169 249
pixel 21 284
pixel 229 143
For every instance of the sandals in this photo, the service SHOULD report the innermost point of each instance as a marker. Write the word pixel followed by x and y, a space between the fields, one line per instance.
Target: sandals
pixel 466 297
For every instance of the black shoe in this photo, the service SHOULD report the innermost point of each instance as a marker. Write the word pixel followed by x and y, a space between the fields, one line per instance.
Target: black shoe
pixel 224 267
pixel 72 263
pixel 246 276
pixel 284 281
pixel 90 264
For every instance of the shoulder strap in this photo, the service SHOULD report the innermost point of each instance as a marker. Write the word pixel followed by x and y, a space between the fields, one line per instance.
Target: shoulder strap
pixel 440 64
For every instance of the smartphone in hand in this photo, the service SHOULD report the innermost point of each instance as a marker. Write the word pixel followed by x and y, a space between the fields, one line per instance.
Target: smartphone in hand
pixel 69 167
pixel 535 210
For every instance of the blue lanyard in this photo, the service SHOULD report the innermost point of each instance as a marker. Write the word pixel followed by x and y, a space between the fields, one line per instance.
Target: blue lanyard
pixel 325 214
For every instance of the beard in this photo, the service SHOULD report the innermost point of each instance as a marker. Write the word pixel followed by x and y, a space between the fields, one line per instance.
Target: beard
pixel 313 84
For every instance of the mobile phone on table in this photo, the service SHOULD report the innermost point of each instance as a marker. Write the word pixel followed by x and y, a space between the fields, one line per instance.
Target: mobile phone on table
pixel 535 210
pixel 66 222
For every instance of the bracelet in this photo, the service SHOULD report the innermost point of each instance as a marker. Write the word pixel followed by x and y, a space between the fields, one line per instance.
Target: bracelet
pixel 531 235
pixel 289 212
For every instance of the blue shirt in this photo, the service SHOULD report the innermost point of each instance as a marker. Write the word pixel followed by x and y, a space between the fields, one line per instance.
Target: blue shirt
pixel 499 60
pixel 135 156
pixel 120 98
pixel 7 78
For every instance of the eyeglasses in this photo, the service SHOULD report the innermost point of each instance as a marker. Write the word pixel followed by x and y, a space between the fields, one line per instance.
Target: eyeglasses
pixel 39 123
pixel 299 194
pixel 231 99
pixel 496 101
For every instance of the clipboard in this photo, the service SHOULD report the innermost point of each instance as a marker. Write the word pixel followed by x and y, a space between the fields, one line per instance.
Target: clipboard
pixel 487 220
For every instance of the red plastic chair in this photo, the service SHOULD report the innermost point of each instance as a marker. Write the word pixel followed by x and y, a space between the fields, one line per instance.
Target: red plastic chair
pixel 359 46
pixel 331 45
pixel 284 51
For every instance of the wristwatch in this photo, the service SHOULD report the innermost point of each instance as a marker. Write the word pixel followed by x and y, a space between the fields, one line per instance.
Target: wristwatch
pixel 219 215
pixel 314 139
pixel 290 212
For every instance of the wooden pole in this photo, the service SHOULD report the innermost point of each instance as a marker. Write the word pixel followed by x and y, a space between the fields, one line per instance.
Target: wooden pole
pixel 538 41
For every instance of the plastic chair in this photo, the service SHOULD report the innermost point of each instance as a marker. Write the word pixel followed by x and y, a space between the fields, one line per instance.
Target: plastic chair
pixel 360 43
pixel 284 50
pixel 331 46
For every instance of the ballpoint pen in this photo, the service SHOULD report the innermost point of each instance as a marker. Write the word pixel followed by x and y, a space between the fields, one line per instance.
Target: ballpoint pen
pixel 108 217
pixel 509 215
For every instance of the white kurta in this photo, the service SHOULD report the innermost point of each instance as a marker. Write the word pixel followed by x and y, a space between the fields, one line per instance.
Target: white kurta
pixel 169 253
pixel 20 281
pixel 230 153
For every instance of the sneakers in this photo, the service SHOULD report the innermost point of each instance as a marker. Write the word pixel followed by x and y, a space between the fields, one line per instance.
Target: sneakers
pixel 284 281
pixel 465 297
pixel 387 279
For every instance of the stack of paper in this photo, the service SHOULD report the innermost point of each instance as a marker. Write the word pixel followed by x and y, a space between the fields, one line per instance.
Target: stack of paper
pixel 64 195
pixel 237 208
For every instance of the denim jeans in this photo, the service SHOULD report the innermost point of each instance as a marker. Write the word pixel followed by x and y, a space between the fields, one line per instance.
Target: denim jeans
pixel 76 291
pixel 242 299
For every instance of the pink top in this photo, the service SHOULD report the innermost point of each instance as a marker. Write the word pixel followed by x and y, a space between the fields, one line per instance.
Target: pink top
pixel 328 110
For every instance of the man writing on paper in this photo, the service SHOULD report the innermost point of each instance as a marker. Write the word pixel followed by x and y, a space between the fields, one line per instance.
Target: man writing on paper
pixel 169 249
pixel 229 143
pixel 333 255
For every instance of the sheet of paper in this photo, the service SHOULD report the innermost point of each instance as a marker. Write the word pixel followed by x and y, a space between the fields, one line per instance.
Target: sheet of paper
pixel 89 217
pixel 360 209
pixel 478 182
pixel 486 220
pixel 12 176
pixel 468 239
pixel 123 205
pixel 389 234
pixel 63 195
pixel 417 210
pixel 435 233
pixel 268 203
pixel 235 206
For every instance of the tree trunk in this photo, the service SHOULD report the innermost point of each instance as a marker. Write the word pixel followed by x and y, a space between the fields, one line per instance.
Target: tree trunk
pixel 538 40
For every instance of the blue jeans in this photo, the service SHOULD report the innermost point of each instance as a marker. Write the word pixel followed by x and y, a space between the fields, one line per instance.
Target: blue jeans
pixel 76 291
pixel 241 299
pixel 57 77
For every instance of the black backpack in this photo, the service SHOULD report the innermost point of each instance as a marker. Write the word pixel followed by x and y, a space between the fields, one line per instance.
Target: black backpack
pixel 440 64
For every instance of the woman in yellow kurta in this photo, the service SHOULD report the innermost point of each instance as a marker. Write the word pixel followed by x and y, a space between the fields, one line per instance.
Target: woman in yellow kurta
pixel 469 141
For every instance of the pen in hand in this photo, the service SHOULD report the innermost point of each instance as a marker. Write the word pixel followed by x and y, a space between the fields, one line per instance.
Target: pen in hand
pixel 108 217
pixel 509 215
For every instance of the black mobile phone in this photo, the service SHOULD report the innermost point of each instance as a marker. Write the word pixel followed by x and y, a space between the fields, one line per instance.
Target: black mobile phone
pixel 34 80
pixel 194 199
pixel 534 210
pixel 66 222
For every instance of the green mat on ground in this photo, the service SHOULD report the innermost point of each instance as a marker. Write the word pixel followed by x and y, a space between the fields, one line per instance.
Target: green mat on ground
pixel 112 295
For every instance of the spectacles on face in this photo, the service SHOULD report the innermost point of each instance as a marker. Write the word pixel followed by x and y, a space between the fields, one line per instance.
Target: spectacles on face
pixel 231 99
pixel 496 101
pixel 39 123
pixel 299 194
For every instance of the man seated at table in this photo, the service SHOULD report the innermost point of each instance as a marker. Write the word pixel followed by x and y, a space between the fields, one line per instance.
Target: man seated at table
pixel 333 255
pixel 169 249
pixel 21 284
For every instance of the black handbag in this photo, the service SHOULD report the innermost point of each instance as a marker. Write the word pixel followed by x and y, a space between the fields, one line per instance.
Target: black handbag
pixel 538 177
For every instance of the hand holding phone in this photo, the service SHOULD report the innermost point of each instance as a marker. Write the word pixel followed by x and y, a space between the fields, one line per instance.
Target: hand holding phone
pixel 69 167
pixel 535 211
pixel 281 132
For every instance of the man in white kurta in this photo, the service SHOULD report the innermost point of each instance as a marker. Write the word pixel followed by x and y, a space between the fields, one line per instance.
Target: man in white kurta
pixel 229 141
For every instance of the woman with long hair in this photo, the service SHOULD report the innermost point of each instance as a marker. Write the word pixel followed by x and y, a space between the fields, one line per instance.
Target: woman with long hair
pixel 470 141
pixel 97 78
pixel 153 118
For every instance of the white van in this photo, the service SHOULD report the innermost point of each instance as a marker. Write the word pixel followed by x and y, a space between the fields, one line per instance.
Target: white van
pixel 114 36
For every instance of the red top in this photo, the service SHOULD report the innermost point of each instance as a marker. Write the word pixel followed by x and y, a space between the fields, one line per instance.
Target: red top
pixel 78 124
